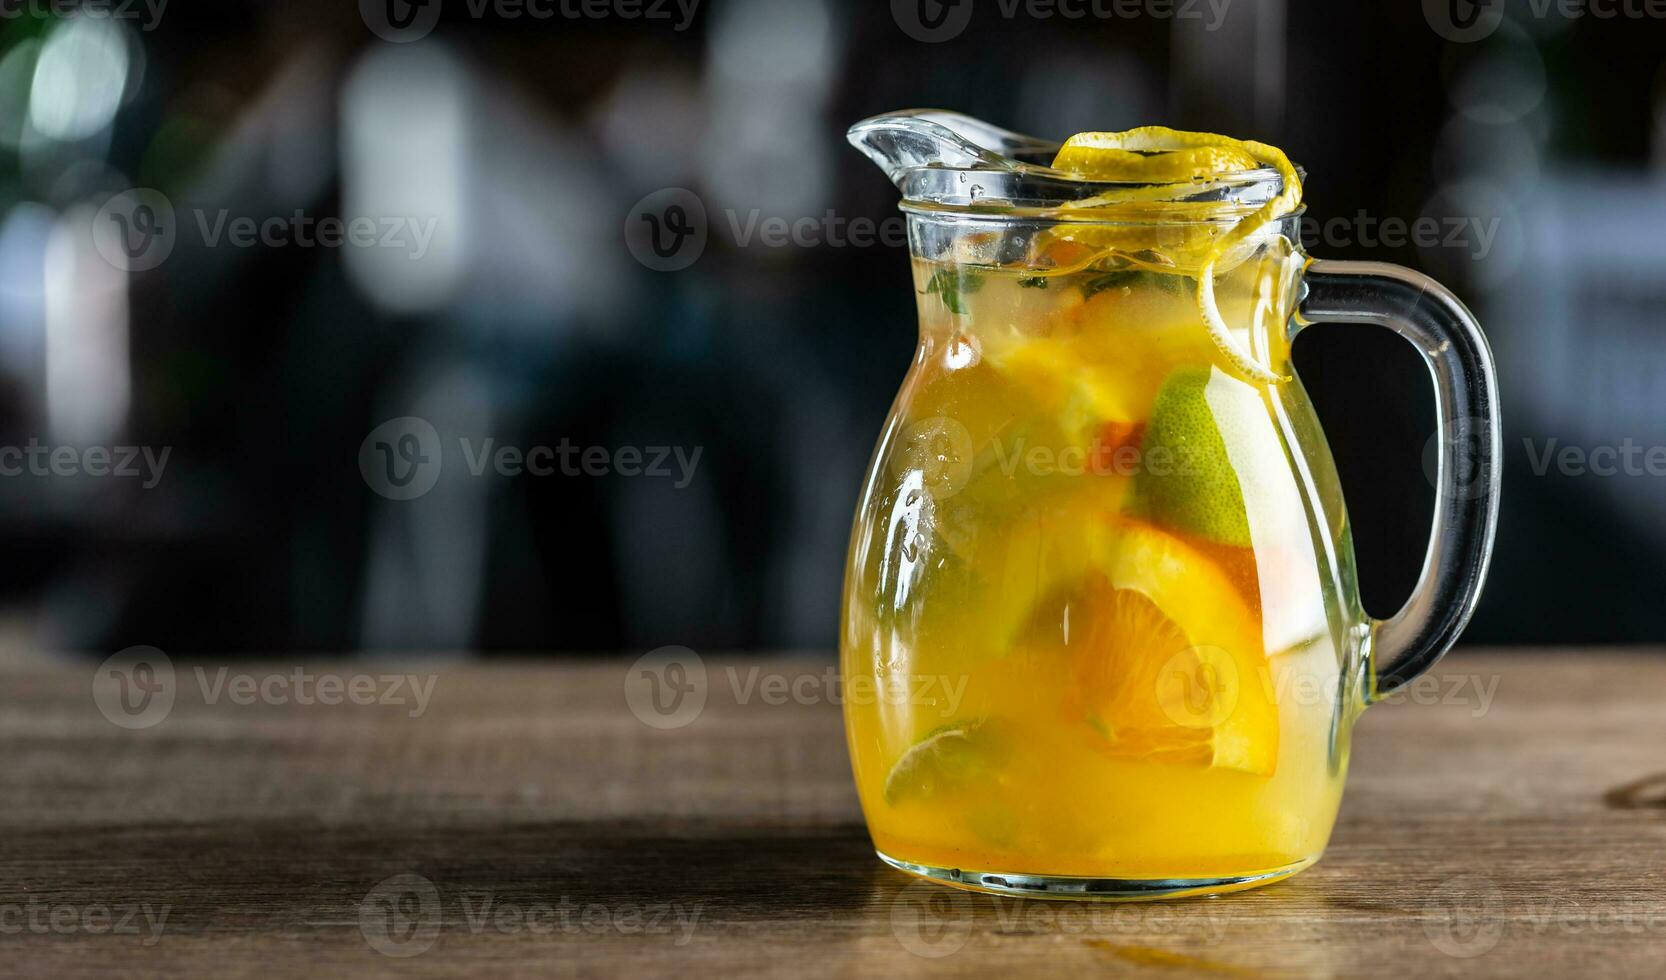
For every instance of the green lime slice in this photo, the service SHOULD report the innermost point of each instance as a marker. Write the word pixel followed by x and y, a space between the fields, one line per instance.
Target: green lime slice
pixel 949 759
pixel 1186 480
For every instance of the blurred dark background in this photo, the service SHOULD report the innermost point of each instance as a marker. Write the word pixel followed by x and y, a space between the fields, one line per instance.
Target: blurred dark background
pixel 527 140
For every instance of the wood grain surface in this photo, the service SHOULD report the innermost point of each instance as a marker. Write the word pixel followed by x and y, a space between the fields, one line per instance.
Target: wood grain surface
pixel 1508 818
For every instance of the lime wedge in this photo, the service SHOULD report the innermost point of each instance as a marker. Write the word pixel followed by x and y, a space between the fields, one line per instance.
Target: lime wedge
pixel 946 760
pixel 1186 481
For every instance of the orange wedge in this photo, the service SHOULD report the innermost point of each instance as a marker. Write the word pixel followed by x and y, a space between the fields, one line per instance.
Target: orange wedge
pixel 1164 657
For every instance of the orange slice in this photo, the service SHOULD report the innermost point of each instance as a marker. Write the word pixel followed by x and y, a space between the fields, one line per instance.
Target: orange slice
pixel 1164 657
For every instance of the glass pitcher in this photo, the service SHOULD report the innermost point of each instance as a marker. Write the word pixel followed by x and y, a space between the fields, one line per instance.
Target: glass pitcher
pixel 1101 634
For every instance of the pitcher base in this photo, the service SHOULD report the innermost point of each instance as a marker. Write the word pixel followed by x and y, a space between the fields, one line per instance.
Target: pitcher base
pixel 1068 887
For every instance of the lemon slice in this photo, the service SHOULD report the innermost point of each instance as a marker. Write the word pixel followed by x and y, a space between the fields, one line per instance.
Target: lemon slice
pixel 1163 657
pixel 1157 154
pixel 1063 383
pixel 1087 156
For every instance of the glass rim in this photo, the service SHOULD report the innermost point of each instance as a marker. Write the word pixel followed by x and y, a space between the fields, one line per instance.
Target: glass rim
pixel 1035 192
pixel 991 212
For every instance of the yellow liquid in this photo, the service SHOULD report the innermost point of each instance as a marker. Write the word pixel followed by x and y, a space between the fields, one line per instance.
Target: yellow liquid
pixel 1005 568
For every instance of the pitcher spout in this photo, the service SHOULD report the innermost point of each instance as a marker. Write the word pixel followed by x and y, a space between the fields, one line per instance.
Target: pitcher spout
pixel 904 141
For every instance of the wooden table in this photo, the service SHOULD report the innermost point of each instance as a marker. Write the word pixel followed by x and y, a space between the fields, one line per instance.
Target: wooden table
pixel 526 821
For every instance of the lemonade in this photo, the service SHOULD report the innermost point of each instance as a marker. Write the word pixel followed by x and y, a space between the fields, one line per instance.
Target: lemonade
pixel 1102 519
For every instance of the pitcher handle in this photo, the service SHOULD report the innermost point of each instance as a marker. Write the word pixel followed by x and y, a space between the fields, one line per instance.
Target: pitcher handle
pixel 1466 490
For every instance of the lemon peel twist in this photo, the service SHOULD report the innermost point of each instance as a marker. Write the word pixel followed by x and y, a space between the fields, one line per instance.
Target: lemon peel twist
pixel 1159 154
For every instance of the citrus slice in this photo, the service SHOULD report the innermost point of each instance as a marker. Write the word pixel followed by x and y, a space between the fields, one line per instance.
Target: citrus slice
pixel 1064 383
pixel 1187 482
pixel 947 759
pixel 1163 657
pixel 1098 154
pixel 1157 154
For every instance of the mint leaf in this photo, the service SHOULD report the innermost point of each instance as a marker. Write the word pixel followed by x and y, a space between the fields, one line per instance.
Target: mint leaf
pixel 1110 280
pixel 1138 278
pixel 953 285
